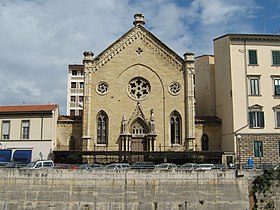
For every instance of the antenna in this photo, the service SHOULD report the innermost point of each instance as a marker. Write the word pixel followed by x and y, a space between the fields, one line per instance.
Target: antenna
pixel 264 20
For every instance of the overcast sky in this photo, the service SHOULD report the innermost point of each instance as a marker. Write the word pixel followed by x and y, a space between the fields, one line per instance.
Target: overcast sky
pixel 39 38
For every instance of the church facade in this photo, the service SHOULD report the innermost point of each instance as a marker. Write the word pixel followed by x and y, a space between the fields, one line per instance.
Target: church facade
pixel 138 95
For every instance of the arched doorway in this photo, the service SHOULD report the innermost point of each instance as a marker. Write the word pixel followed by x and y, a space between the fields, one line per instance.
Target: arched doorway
pixel 205 142
pixel 138 142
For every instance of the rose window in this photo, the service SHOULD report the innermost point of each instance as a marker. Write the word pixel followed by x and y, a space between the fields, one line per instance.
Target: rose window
pixel 139 88
pixel 102 88
pixel 174 88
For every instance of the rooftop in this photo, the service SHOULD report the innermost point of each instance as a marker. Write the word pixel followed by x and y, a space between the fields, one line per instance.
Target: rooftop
pixel 28 108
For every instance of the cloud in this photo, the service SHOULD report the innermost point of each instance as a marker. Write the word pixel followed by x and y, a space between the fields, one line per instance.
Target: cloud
pixel 39 38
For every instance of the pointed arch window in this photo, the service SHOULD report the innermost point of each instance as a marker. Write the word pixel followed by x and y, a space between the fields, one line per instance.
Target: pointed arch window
pixel 175 128
pixel 102 128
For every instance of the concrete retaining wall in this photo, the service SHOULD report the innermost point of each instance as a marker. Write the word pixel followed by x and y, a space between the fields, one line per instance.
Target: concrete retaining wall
pixel 100 189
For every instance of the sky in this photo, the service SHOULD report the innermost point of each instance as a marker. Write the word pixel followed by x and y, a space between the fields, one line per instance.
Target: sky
pixel 40 38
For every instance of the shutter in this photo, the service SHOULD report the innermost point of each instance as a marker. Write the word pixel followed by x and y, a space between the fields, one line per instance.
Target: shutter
pixel 277 89
pixel 251 119
pixel 278 119
pixel 261 119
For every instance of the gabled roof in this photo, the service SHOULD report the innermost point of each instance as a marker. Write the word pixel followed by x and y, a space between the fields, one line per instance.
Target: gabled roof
pixel 138 32
pixel 28 108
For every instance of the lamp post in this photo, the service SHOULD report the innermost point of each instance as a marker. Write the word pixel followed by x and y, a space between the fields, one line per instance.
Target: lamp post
pixel 238 137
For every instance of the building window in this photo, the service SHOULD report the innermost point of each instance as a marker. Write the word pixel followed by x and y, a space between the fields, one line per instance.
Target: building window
pixel 277 118
pixel 138 129
pixel 256 119
pixel 73 99
pixel 139 88
pixel 102 128
pixel 253 57
pixel 74 73
pixel 72 112
pixel 80 112
pixel 276 87
pixel 254 86
pixel 256 116
pixel 279 148
pixel 81 99
pixel 25 129
pixel 81 85
pixel 175 128
pixel 258 149
pixel 6 130
pixel 73 85
pixel 276 57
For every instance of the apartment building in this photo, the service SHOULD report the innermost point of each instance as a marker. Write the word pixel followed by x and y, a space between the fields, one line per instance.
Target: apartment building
pixel 75 90
pixel 28 132
pixel 247 94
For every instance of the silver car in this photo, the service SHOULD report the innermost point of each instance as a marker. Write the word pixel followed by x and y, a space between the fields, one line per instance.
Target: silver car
pixel 118 166
pixel 166 166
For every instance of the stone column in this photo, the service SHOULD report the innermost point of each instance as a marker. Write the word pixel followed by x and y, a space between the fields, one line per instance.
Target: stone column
pixel 189 100
pixel 88 70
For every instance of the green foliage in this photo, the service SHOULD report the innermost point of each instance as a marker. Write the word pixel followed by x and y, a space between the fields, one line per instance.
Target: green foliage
pixel 269 205
pixel 262 185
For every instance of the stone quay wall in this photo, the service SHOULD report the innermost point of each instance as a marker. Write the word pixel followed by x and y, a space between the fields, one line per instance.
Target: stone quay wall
pixel 123 190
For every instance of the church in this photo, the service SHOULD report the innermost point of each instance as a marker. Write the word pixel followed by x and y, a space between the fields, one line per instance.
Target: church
pixel 138 95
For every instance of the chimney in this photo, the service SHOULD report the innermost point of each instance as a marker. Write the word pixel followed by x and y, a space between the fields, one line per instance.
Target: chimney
pixel 139 19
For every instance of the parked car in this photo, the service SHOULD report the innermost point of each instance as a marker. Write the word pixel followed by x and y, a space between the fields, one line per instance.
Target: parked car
pixel 117 166
pixel 16 165
pixel 63 166
pixel 189 166
pixel 90 166
pixel 205 167
pixel 220 166
pixel 3 164
pixel 143 165
pixel 39 164
pixel 166 166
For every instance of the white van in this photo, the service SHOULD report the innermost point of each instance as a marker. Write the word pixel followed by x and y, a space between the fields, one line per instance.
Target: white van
pixel 40 164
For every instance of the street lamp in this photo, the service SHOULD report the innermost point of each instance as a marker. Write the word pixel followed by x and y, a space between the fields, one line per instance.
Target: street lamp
pixel 238 137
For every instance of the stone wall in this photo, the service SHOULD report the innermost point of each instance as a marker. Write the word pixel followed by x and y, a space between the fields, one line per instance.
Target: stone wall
pixel 270 148
pixel 101 189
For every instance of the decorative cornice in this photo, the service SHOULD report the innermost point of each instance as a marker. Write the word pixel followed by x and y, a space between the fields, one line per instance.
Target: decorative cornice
pixel 127 39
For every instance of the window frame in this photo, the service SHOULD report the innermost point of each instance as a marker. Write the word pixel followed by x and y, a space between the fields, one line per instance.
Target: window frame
pixel 279 148
pixel 102 128
pixel 256 117
pixel 258 149
pixel 254 88
pixel 4 135
pixel 275 58
pixel 25 131
pixel 74 74
pixel 73 85
pixel 277 118
pixel 274 86
pixel 175 128
pixel 252 61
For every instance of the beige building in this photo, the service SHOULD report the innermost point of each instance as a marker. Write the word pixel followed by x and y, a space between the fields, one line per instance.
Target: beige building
pixel 247 81
pixel 29 131
pixel 75 90
pixel 138 95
